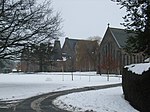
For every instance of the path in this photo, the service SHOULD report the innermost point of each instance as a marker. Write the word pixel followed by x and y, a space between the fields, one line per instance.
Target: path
pixel 43 103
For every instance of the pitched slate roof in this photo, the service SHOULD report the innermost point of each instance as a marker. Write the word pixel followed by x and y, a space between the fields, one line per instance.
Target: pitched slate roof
pixel 121 35
pixel 72 43
pixel 68 48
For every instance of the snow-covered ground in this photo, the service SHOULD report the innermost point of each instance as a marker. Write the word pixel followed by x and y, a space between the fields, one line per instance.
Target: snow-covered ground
pixel 105 100
pixel 15 86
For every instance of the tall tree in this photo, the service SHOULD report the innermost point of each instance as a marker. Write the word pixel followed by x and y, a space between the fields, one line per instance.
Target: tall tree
pixel 23 23
pixel 41 54
pixel 137 19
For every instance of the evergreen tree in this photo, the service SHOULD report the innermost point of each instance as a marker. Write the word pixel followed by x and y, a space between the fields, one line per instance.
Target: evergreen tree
pixel 6 65
pixel 137 19
pixel 41 55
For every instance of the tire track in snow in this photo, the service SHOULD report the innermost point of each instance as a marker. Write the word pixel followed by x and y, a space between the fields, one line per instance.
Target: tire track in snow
pixel 35 105
pixel 45 103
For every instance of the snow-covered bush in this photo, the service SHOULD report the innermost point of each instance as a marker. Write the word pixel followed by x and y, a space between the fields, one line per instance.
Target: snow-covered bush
pixel 136 85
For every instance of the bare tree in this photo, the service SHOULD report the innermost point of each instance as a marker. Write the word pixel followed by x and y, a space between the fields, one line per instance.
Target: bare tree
pixel 96 38
pixel 109 64
pixel 24 23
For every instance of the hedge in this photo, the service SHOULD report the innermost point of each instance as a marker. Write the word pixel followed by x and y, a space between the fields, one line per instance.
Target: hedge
pixel 136 89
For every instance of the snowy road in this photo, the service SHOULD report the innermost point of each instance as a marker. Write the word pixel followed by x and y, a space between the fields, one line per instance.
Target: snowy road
pixel 43 103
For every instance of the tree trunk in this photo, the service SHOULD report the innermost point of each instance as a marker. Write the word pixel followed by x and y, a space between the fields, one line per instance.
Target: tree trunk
pixel 108 75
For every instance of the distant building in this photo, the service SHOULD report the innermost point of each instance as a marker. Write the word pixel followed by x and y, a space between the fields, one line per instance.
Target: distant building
pixel 112 56
pixel 86 55
pixel 80 55
pixel 69 53
pixel 75 55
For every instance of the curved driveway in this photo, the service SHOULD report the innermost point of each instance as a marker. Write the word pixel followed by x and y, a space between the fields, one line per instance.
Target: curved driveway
pixel 43 103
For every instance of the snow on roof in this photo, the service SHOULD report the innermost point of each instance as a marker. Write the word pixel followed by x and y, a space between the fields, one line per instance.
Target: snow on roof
pixel 138 68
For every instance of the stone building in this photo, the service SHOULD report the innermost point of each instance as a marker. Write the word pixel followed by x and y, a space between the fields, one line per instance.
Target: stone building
pixel 80 55
pixel 86 55
pixel 112 56
pixel 75 55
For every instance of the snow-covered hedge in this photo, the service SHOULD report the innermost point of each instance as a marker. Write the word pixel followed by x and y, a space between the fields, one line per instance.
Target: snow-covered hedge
pixel 136 86
pixel 138 68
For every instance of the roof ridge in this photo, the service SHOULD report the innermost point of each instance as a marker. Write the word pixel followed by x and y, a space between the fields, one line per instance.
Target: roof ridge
pixel 117 28
pixel 81 39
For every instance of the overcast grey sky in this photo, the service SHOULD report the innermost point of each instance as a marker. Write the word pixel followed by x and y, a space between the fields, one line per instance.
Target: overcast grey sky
pixel 85 18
